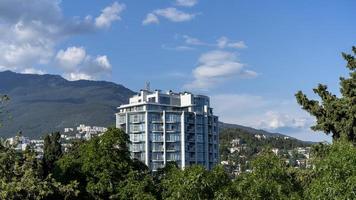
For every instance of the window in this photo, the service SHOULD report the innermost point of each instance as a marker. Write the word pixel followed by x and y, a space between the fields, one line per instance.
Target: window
pixel 139 156
pixel 137 128
pixel 172 137
pixel 157 147
pixel 157 137
pixel 156 117
pixel 152 99
pixel 173 156
pixel 173 146
pixel 156 127
pixel 172 127
pixel 172 118
pixel 137 118
pixel 157 156
pixel 164 100
pixel 137 137
pixel 137 147
pixel 122 119
pixel 157 165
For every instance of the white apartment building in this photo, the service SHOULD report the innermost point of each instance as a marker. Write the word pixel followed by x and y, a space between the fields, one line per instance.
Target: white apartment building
pixel 164 127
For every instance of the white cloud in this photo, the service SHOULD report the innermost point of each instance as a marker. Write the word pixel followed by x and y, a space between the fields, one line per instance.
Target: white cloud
pixel 172 14
pixel 186 3
pixel 215 67
pixel 192 41
pixel 31 31
pixel 33 71
pixel 150 19
pixel 273 120
pixel 224 42
pixel 237 45
pixel 273 115
pixel 109 15
pixel 71 57
pixel 178 48
pixel 221 43
pixel 77 76
pixel 77 64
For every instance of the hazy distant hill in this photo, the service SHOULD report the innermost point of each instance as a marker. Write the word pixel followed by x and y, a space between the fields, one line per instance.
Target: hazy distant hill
pixel 44 103
pixel 236 130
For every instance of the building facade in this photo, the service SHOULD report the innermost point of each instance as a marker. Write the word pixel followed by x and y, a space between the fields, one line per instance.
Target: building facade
pixel 165 127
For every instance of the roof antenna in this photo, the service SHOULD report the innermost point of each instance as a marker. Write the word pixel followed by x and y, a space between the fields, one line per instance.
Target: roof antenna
pixel 148 86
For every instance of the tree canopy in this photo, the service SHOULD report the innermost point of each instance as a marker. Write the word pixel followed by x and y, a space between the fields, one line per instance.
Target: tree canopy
pixel 335 115
pixel 3 100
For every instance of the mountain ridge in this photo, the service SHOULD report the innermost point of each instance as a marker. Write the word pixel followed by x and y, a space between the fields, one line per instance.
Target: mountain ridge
pixel 41 104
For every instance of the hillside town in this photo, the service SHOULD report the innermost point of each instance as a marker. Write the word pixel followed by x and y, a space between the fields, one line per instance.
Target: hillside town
pixel 239 157
pixel 81 132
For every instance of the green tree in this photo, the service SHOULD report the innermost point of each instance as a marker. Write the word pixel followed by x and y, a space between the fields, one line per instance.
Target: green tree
pixel 52 151
pixel 269 179
pixel 3 100
pixel 194 182
pixel 334 173
pixel 335 115
pixel 103 168
pixel 20 177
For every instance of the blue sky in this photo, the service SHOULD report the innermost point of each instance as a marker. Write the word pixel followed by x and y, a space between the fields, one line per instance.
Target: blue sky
pixel 250 56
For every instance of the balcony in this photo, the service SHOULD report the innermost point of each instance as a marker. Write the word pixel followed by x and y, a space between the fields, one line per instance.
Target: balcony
pixel 157 140
pixel 158 149
pixel 172 121
pixel 173 140
pixel 157 158
pixel 136 131
pixel 172 130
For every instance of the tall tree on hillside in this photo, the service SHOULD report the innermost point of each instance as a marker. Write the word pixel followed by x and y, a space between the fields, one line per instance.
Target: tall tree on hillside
pixel 52 151
pixel 20 177
pixel 3 100
pixel 104 170
pixel 335 115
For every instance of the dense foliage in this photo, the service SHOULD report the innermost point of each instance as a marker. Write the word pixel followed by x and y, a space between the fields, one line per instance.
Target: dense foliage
pixel 101 168
pixel 20 177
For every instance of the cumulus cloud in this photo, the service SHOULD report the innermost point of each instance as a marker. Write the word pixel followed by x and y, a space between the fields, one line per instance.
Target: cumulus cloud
pixel 171 14
pixel 31 31
pixel 71 57
pixel 215 67
pixel 274 120
pixel 77 64
pixel 150 19
pixel 186 3
pixel 274 115
pixel 109 15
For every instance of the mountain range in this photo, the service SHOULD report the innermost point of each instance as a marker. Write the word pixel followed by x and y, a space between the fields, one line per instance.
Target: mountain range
pixel 40 104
